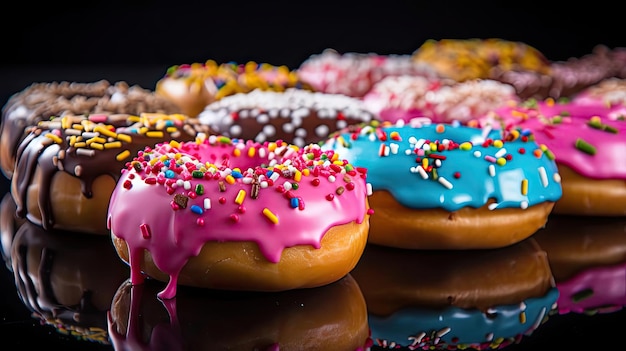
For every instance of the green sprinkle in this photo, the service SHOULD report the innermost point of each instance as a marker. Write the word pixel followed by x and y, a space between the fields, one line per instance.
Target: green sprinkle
pixel 197 174
pixel 295 186
pixel 549 154
pixel 199 189
pixel 585 147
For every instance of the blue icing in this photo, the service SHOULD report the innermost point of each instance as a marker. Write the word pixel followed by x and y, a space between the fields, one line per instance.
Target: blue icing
pixel 397 173
pixel 466 326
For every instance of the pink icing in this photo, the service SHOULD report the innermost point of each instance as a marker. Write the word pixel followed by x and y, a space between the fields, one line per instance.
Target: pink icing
pixel 560 125
pixel 307 191
pixel 607 283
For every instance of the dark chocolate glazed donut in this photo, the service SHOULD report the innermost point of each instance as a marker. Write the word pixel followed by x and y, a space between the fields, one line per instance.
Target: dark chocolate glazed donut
pixel 66 167
pixel 40 101
pixel 296 116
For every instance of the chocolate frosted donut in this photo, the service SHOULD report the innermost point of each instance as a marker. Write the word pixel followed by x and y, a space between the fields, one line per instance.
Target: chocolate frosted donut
pixel 296 116
pixel 567 78
pixel 40 101
pixel 66 167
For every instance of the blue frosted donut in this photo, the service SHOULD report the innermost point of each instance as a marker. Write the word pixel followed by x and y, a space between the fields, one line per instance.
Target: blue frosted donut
pixel 449 186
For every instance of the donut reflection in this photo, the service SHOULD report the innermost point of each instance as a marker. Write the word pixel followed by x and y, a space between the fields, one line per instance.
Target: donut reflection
pixel 447 300
pixel 588 259
pixel 331 317
pixel 67 280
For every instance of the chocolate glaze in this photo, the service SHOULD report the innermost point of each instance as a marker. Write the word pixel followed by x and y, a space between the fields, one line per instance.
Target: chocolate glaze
pixel 39 151
pixel 567 78
pixel 66 279
pixel 40 101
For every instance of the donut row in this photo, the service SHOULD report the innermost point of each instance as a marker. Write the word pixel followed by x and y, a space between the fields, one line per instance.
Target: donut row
pixel 253 177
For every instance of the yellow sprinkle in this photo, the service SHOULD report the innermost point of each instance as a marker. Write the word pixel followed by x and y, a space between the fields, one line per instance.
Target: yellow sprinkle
pixel 77 126
pixel 465 146
pixel 424 163
pixel 515 134
pixel 153 161
pixel 335 157
pixel 297 176
pixel 72 140
pixel 501 161
pixel 498 143
pixel 251 152
pixel 65 122
pixel 550 101
pixel 80 144
pixel 97 146
pixel 104 131
pixel 174 143
pixel 113 145
pixel 236 152
pixel 230 179
pixel 522 317
pixel 54 138
pixel 178 155
pixel 543 147
pixel 338 162
pixel 272 217
pixel 143 130
pixel 306 172
pixel 171 129
pixel 125 138
pixel 524 186
pixel 272 146
pixel 122 155
pixel 241 195
pixel 155 134
pixel 96 140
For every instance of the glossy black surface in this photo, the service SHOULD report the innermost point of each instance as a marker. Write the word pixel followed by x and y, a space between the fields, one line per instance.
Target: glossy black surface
pixel 136 41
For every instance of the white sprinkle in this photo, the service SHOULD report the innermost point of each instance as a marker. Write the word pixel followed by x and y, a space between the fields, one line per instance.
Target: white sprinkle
pixel 235 130
pixel 422 172
pixel 274 176
pixel 544 176
pixel 523 205
pixel 556 177
pixel 207 203
pixel 492 206
pixel 445 182
pixel 180 182
pixel 492 170
pixel 500 153
pixel 394 148
pixel 264 184
pixel 287 186
pixel 187 185
pixel 477 153
pixel 369 188
pixel 331 178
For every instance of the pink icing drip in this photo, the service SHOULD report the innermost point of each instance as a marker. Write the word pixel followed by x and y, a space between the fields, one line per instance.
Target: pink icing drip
pixel 608 284
pixel 607 163
pixel 175 235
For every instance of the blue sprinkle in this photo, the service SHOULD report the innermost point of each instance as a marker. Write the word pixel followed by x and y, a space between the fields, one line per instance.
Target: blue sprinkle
pixel 269 173
pixel 196 209
pixel 236 174
pixel 294 202
pixel 170 174
pixel 166 163
pixel 169 123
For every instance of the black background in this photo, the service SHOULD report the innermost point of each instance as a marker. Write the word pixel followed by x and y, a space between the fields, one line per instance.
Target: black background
pixel 137 40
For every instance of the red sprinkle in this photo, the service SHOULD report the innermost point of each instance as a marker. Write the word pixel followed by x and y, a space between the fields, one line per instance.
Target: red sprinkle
pixel 330 197
pixel 145 231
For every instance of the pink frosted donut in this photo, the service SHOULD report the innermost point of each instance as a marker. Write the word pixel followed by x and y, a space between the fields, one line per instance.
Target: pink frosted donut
pixel 588 142
pixel 442 100
pixel 353 74
pixel 239 215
